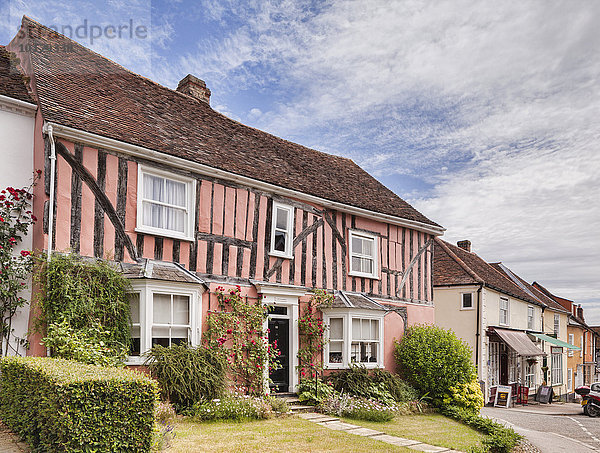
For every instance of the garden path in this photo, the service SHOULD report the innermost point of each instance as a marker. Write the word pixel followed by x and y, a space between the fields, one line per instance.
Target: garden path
pixel 338 425
pixel 9 442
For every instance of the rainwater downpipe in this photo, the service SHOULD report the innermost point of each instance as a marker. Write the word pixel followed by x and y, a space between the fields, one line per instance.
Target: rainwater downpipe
pixel 52 183
pixel 478 333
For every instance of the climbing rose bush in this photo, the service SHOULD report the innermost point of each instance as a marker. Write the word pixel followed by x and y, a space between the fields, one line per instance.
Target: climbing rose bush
pixel 236 330
pixel 15 220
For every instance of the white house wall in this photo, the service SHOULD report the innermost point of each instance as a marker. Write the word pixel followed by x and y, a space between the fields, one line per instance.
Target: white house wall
pixel 16 149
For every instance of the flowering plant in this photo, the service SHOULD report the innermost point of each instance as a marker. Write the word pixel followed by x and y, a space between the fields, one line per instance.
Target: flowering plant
pixel 313 334
pixel 236 330
pixel 15 220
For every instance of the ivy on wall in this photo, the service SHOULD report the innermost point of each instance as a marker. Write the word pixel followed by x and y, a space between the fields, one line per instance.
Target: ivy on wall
pixel 84 306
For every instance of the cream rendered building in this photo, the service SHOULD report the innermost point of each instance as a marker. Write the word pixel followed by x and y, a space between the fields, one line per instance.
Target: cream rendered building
pixel 492 314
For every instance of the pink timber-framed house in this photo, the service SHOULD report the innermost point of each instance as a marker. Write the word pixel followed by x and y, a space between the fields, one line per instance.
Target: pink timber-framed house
pixel 187 199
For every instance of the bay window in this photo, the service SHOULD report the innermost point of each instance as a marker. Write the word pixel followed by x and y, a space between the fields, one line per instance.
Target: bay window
pixel 354 337
pixel 163 313
pixel 165 204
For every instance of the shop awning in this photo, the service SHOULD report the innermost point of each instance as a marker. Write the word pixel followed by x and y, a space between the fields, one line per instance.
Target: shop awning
pixel 556 341
pixel 519 342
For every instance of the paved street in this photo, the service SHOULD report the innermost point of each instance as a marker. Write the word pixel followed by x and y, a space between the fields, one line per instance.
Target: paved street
pixel 552 428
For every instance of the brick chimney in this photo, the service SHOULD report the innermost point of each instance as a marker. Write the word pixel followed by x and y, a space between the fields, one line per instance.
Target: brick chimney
pixel 580 312
pixel 465 245
pixel 195 87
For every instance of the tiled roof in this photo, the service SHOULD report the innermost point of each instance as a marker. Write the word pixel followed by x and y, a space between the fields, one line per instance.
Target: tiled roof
pixel 84 90
pixel 530 289
pixel 159 270
pixel 12 82
pixel 454 266
pixel 343 299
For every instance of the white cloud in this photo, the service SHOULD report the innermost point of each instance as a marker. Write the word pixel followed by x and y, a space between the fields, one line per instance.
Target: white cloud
pixel 497 106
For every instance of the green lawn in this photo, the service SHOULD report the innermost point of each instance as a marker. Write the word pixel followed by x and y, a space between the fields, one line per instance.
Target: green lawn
pixel 433 429
pixel 294 434
pixel 275 435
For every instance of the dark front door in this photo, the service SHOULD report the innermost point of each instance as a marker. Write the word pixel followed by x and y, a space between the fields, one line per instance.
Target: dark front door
pixel 279 331
pixel 503 369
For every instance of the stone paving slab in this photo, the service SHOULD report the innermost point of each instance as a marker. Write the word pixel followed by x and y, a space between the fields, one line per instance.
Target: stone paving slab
pixel 9 442
pixel 338 426
pixel 428 448
pixel 399 441
pixel 365 432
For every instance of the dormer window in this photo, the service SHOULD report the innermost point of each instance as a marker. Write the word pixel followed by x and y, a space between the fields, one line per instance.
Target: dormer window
pixel 282 230
pixel 165 204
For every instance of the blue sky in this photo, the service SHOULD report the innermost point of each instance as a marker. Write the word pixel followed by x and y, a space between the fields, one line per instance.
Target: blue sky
pixel 483 116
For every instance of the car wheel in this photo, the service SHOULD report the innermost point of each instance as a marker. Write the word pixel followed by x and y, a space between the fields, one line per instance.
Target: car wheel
pixel 585 410
pixel 593 411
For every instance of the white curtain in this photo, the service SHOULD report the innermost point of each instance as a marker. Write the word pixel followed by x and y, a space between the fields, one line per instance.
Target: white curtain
pixel 169 192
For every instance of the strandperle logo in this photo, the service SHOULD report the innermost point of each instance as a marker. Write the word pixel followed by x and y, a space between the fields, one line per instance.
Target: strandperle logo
pixel 93 32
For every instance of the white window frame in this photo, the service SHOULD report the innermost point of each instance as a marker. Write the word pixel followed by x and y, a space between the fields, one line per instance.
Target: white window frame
pixel 569 379
pixel 581 344
pixel 571 341
pixel 530 317
pixel 146 289
pixel 556 371
pixel 530 375
pixel 507 310
pixel 347 316
pixel 288 252
pixel 462 301
pixel 375 256
pixel 190 188
pixel 556 324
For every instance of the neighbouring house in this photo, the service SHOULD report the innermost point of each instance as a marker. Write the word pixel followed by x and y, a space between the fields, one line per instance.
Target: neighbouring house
pixel 582 369
pixel 187 200
pixel 554 337
pixel 501 318
pixel 17 120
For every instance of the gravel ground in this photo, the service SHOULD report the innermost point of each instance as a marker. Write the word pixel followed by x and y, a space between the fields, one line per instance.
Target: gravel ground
pixel 526 447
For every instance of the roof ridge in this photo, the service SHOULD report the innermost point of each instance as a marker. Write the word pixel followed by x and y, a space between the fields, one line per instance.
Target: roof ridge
pixel 517 280
pixel 460 262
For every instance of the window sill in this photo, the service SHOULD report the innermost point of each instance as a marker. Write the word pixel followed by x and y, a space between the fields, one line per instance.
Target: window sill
pixel 341 366
pixel 360 274
pixel 164 233
pixel 467 308
pixel 281 255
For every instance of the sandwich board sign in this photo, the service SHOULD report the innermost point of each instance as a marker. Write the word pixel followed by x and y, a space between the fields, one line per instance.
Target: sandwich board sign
pixel 503 394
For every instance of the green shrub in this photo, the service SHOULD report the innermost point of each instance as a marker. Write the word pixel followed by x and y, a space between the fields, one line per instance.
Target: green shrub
pixel 433 360
pixel 85 294
pixel 465 395
pixel 499 439
pixel 90 345
pixel 344 405
pixel 57 405
pixel 308 394
pixel 187 374
pixel 279 405
pixel 375 384
pixel 233 407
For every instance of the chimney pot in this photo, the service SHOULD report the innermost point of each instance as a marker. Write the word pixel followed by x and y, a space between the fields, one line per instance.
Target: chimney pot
pixel 195 87
pixel 465 245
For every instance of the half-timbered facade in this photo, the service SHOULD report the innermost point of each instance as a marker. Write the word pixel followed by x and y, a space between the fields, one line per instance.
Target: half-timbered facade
pixel 187 199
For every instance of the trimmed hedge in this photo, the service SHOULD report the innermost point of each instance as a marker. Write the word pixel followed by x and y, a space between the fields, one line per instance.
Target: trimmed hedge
pixel 57 405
